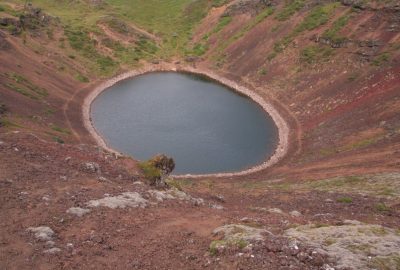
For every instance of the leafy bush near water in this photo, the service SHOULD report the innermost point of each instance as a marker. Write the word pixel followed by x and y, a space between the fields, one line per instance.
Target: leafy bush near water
pixel 150 171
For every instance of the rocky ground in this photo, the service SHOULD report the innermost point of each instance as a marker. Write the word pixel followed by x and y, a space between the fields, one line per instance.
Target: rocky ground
pixel 71 207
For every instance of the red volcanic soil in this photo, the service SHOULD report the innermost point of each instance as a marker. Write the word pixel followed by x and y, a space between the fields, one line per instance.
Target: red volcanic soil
pixel 53 177
pixel 343 161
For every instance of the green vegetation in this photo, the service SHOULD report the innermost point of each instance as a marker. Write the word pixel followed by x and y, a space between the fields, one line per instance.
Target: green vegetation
pixel 4 122
pixel 199 49
pixel 378 230
pixel 150 171
pixel 7 9
pixel 352 145
pixel 248 26
pixel 3 109
pixel 290 8
pixel 357 248
pixel 386 262
pixel 381 59
pixel 21 91
pixel 171 22
pixel 256 20
pixel 345 200
pixel 352 77
pixel 262 71
pixel 223 21
pixel 58 139
pixel 80 41
pixel 316 53
pixel 317 17
pixel 385 185
pixel 216 244
pixel 49 111
pixel 218 3
pixel 382 207
pixel 338 25
pixel 25 87
pixel 60 129
pixel 174 183
pixel 82 78
pixel 360 144
pixel 329 241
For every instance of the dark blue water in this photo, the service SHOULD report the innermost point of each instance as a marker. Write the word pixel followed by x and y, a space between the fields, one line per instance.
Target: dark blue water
pixel 203 125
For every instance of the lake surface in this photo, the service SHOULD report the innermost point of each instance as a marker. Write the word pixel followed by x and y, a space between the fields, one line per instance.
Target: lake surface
pixel 203 125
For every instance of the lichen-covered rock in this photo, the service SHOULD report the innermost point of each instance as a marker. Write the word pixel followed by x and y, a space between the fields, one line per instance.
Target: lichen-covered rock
pixel 174 194
pixel 354 245
pixel 126 199
pixel 239 231
pixel 236 236
pixel 91 167
pixel 42 233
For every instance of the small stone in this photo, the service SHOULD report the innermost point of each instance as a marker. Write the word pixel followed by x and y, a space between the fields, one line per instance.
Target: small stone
pixel 317 260
pixel 78 211
pixel 302 256
pixel 327 267
pixel 102 179
pixel 52 250
pixel 275 211
pixel 50 243
pixel 91 167
pixel 216 206
pixel 351 222
pixel 220 198
pixel 295 213
pixel 138 183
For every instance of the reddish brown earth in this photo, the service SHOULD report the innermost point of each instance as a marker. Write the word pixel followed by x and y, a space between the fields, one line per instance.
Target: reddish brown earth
pixel 344 116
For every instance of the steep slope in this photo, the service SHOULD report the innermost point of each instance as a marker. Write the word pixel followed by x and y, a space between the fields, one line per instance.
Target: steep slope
pixel 332 67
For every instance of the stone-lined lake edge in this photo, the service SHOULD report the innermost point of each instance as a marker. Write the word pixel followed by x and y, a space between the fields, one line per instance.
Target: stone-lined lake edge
pixel 283 128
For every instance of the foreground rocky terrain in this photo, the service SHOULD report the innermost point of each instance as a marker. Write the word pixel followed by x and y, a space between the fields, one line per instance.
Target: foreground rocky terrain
pixel 330 68
pixel 68 207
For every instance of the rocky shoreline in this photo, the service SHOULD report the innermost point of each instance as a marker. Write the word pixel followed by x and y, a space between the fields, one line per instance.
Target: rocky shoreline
pixel 283 128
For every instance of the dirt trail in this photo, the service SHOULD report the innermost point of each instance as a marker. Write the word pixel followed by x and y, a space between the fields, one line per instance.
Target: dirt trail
pixel 125 39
